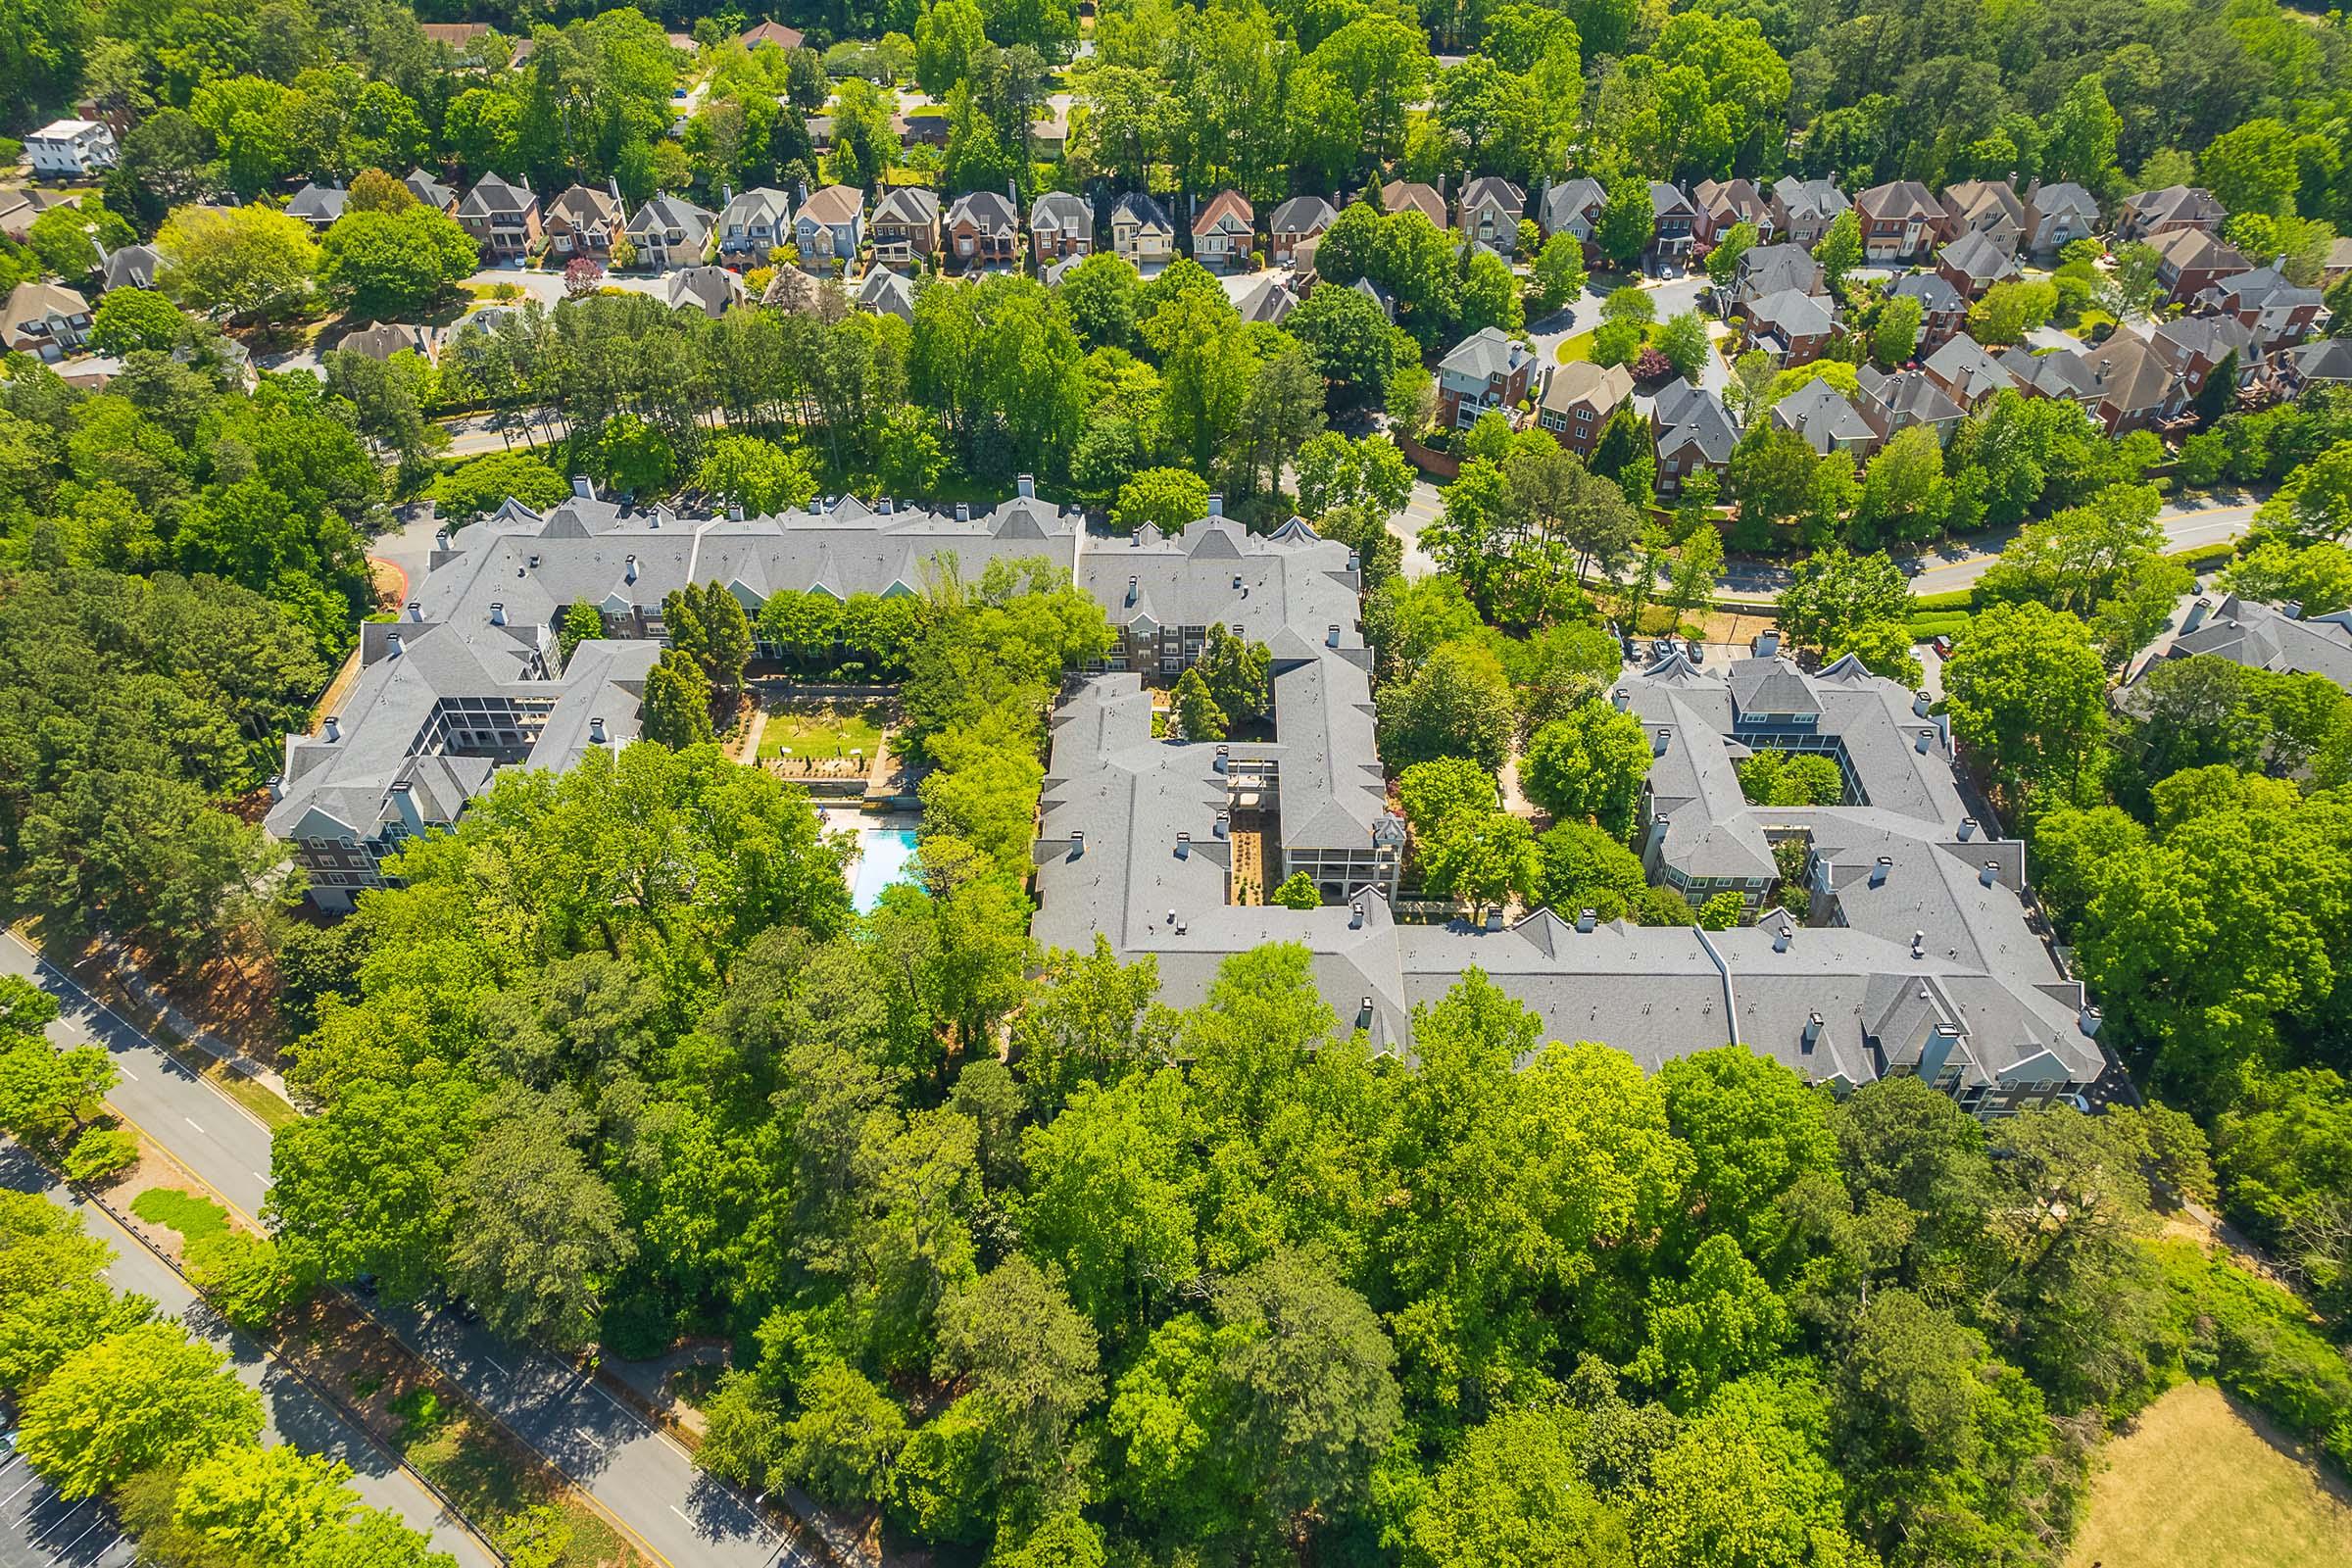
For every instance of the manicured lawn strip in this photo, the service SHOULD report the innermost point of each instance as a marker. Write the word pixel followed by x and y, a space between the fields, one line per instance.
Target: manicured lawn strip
pixel 195 1218
pixel 834 730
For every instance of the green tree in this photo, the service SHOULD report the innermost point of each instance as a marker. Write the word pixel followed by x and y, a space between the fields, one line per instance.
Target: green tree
pixel 1197 715
pixel 535 1232
pixel 483 484
pixel 74 238
pixel 263 1504
pixel 1628 223
pixel 394 263
pixel 1718 1322
pixel 1895 337
pixel 1589 765
pixel 1684 341
pixel 1457 704
pixel 1747 1482
pixel 1559 271
pixel 248 263
pixel 1238 673
pixel 1298 892
pixel 1723 262
pixel 145 1396
pixel 583 623
pixel 758 475
pixel 1585 868
pixel 1841 250
pixel 677 703
pixel 842 1442
pixel 1482 858
pixel 2027 695
pixel 1515 1494
pixel 1169 498
pixel 1832 592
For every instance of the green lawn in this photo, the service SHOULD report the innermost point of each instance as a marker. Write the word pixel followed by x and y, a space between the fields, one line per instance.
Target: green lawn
pixel 822 729
pixel 195 1218
pixel 1578 349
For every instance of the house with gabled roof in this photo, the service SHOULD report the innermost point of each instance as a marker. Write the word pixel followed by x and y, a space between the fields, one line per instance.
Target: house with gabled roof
pixel 1572 207
pixel 1901 221
pixel 830 228
pixel 1973 264
pixel 1267 301
pixel 1412 195
pixel 1771 268
pixel 1140 232
pixel 1490 210
pixel 2191 261
pixel 1224 233
pixel 131 267
pixel 981 229
pixel 1691 430
pixel 2133 388
pixel 1673 223
pixel 431 192
pixel 503 218
pixel 1295 222
pixel 753 224
pixel 712 290
pixel 1488 369
pixel 1578 398
pixel 1062 225
pixel 1793 329
pixel 886 293
pixel 1829 423
pixel 1942 309
pixel 671 232
pixel 584 221
pixel 2149 214
pixel 2263 300
pixel 2062 373
pixel 1725 204
pixel 1969 374
pixel 47 320
pixel 771 32
pixel 2056 215
pixel 1802 209
pixel 318 205
pixel 1990 207
pixel 906 226
pixel 1893 402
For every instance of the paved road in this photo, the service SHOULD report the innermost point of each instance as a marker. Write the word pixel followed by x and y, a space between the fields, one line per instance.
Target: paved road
pixel 295 1414
pixel 642 1477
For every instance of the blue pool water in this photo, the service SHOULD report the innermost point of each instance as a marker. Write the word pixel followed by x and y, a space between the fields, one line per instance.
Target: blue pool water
pixel 882 855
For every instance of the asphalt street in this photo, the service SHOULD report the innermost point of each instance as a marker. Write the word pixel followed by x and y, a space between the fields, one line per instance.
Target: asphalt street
pixel 641 1476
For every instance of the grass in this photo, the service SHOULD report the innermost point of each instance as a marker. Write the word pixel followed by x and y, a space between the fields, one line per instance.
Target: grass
pixel 2199 1485
pixel 195 1218
pixel 1578 349
pixel 822 730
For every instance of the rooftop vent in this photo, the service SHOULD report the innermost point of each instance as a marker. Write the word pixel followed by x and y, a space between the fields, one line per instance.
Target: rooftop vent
pixel 1077 844
pixel 1812 1030
pixel 886 507
pixel 2091 1018
pixel 334 728
pixel 628 572
pixel 1877 873
pixel 1217 506
pixel 1783 937
pixel 1355 916
pixel 440 538
pixel 583 487
pixel 1919 944
pixel 1767 644
pixel 596 731
pixel 2196 615
pixel 1224 761
pixel 1025 486
pixel 415 611
pixel 1184 846
pixel 963 511
pixel 1920 701
pixel 391 645
pixel 1968 828
pixel 1658 740
pixel 1331 635
pixel 1622 698
pixel 1990 874
pixel 1586 918
pixel 1224 827
pixel 1927 740
pixel 497 614
pixel 277 787
pixel 734 513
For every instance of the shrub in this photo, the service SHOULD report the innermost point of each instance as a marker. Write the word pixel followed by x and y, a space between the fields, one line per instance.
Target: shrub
pixel 100 1155
pixel 243 1277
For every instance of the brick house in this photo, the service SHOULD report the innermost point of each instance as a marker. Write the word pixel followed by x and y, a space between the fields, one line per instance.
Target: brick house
pixel 906 226
pixel 1901 222
pixel 502 217
pixel 1224 233
pixel 1577 401
pixel 1487 369
pixel 1295 221
pixel 982 230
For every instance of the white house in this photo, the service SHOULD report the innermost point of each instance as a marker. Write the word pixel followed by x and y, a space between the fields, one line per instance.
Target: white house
pixel 71 149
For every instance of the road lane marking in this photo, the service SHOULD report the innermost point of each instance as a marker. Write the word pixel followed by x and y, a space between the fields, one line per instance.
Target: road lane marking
pixel 20 1492
pixel 501 1371
pixel 59 1555
pixel 681 1513
pixel 126 1072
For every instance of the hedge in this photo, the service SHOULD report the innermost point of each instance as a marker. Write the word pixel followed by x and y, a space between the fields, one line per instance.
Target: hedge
pixel 1939 623
pixel 1957 599
pixel 2198 557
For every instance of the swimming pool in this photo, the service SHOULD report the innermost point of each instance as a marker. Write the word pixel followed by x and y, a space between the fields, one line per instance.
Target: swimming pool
pixel 882 857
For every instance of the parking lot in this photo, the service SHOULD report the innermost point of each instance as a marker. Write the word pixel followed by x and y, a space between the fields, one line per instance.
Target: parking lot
pixel 38 1529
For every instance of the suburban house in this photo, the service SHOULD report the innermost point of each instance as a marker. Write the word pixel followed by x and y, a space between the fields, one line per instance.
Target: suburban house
pixel 754 223
pixel 1224 233
pixel 1061 225
pixel 1987 207
pixel 1770 269
pixel 1895 401
pixel 1491 209
pixel 318 205
pixel 1488 369
pixel 2277 311
pixel 798 293
pixel 131 267
pixel 1266 300
pixel 1573 207
pixel 2170 211
pixel 2191 261
pixel 1820 413
pixel 431 192
pixel 71 149
pixel 2328 362
pixel 1965 371
pixel 1673 223
pixel 885 293
pixel 383 339
pixel 1378 296
pixel 830 228
pixel 20 204
pixel 2133 388
pixel 1901 221
pixel 671 232
pixel 1578 400
pixel 1725 204
pixel 47 320
pixel 1943 311
pixel 582 222
pixel 981 229
pixel 1410 195
pixel 1691 430
pixel 775 32
pixel 1793 329
pixel 1974 263
pixel 1140 230
pixel 1802 209
pixel 708 289
pixel 2056 215
pixel 2194 347
pixel 454 35
pixel 1299 219
pixel 2270 637
pixel 502 217
pixel 906 226
pixel 2338 265
pixel 2064 375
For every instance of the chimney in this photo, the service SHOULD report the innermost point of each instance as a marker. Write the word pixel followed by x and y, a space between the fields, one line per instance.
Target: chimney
pixel 886 505
pixel 1767 645
pixel 1171 918
pixel 963 511
pixel 1077 844
pixel 1355 561
pixel 1224 763
pixel 392 649
pixel 415 611
pixel 497 614
pixel 1355 916
pixel 335 729
pixel 1586 918
pixel 2089 1020
pixel 734 513
pixel 1224 828
pixel 1331 635
pixel 1783 937
pixel 1237 580
pixel 1132 588
pixel 613 185
pixel 1877 873
pixel 1927 739
pixel 1025 486
pixel 726 195
pixel 628 571
pixel 2291 608
pixel 1920 701
pixel 277 787
pixel 596 731
pixel 1919 944
pixel 1216 505
pixel 1363 1014
pixel 1494 918
pixel 1968 828
pixel 1812 1030
pixel 1657 743
pixel 1622 698
pixel 2196 615
pixel 1990 874
pixel 1184 846
pixel 440 538
pixel 583 487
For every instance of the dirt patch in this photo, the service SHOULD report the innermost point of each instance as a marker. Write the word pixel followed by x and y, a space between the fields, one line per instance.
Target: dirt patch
pixel 2202 1480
